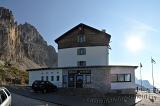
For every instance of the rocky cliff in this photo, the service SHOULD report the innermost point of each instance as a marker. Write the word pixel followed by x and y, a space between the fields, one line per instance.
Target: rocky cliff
pixel 23 45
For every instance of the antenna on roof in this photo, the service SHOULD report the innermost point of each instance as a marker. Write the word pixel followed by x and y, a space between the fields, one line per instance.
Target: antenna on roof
pixel 103 30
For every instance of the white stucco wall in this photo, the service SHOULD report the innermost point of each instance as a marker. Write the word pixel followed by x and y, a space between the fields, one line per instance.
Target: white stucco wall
pixel 97 55
pixel 123 85
pixel 36 75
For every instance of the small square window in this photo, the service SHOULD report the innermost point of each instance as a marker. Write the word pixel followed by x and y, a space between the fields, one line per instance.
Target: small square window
pixel 81 63
pixel 81 39
pixel 81 51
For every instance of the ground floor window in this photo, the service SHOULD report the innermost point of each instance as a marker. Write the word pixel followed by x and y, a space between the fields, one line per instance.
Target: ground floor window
pixel 57 78
pixel 121 77
pixel 52 78
pixel 78 78
pixel 127 77
pixel 46 78
pixel 88 79
pixel 42 78
pixel 65 78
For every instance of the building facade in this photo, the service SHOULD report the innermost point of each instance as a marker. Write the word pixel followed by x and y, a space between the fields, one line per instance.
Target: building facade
pixel 83 62
pixel 47 74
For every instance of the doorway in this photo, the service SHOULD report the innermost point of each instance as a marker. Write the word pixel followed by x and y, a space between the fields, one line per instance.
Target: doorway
pixel 79 81
pixel 71 81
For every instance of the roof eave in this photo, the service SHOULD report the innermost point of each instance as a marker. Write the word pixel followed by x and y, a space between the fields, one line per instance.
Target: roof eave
pixel 81 24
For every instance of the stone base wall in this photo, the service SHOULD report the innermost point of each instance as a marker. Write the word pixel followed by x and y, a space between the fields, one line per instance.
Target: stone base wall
pixel 123 91
pixel 100 79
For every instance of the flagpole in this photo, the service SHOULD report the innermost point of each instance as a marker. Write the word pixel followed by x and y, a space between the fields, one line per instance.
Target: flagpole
pixel 141 77
pixel 152 77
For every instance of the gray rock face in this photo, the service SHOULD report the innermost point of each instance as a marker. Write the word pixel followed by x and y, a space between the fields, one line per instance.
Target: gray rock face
pixel 23 44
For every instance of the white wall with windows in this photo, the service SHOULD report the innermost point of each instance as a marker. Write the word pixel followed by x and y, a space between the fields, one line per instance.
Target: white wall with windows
pixel 122 77
pixel 54 76
pixel 93 56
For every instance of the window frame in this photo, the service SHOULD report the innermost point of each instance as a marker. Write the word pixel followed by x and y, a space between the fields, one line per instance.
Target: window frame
pixel 129 78
pixel 81 51
pixel 88 82
pixel 47 78
pixel 57 78
pixel 42 78
pixel 120 77
pixel 65 77
pixel 124 78
pixel 81 63
pixel 52 78
pixel 81 39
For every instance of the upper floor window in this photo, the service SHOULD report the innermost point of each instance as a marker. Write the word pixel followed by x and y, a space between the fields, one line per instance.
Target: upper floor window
pixel 81 63
pixel 81 51
pixel 81 39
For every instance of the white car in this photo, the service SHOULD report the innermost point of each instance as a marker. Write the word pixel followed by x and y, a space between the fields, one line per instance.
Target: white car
pixel 5 97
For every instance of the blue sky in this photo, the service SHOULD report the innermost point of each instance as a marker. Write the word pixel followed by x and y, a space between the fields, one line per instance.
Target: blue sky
pixel 133 24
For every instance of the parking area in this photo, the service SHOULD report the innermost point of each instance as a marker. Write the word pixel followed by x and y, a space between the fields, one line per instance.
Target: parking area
pixel 141 98
pixel 18 100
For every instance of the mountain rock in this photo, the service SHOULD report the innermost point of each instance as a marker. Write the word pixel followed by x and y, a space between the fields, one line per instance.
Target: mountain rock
pixel 145 83
pixel 23 45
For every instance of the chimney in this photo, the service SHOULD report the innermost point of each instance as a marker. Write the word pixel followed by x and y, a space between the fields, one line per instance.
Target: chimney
pixel 103 30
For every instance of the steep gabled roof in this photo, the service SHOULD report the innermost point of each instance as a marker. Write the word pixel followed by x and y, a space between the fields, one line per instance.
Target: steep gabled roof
pixel 76 27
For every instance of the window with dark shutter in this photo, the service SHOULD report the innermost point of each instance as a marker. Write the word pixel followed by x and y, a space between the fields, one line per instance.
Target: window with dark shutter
pixel 81 51
pixel 81 39
pixel 81 63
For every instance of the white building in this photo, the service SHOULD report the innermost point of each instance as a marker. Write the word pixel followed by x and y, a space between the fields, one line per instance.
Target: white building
pixel 98 53
pixel 83 62
pixel 50 74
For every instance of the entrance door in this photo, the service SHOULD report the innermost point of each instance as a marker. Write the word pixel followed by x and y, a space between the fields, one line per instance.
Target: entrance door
pixel 71 81
pixel 79 81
